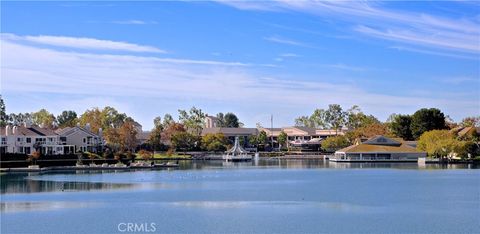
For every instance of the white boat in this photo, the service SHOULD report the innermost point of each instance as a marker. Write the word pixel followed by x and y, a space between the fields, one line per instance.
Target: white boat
pixel 236 153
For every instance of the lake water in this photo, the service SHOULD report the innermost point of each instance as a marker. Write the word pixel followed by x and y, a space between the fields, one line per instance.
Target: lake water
pixel 269 196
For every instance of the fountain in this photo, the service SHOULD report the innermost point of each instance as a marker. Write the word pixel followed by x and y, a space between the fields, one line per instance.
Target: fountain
pixel 236 153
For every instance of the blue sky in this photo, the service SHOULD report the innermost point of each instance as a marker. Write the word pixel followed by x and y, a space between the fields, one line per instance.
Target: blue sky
pixel 251 58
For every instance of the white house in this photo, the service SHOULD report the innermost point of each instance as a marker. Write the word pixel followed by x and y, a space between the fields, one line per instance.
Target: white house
pixel 83 139
pixel 26 139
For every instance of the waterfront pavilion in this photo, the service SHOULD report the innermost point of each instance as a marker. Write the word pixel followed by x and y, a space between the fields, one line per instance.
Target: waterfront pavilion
pixel 379 148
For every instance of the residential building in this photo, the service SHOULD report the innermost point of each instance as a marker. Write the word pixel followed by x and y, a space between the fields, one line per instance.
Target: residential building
pixel 211 121
pixel 82 138
pixel 231 133
pixel 379 148
pixel 302 137
pixel 26 139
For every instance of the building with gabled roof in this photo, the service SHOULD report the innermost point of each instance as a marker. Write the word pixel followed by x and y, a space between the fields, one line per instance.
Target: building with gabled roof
pixel 26 139
pixel 378 148
pixel 82 138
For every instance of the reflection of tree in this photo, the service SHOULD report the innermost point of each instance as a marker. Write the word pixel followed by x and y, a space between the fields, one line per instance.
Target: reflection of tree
pixel 21 184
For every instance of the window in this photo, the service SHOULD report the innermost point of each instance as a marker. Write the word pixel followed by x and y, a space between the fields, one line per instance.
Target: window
pixel 29 140
pixel 84 140
pixel 19 139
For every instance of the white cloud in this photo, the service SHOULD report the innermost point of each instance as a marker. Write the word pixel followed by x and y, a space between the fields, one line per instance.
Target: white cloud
pixel 458 34
pixel 285 41
pixel 342 66
pixel 134 22
pixel 460 80
pixel 29 69
pixel 289 55
pixel 82 43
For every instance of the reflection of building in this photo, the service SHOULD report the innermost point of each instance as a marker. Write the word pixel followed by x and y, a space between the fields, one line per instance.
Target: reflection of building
pixel 378 148
pixel 26 139
pixel 83 139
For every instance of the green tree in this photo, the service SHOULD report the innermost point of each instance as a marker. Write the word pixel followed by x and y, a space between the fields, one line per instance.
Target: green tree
pixel 438 143
pixel 3 114
pixel 214 142
pixel 335 143
pixel 252 140
pixel 425 120
pixel 335 116
pixel 184 141
pixel 472 121
pixel 193 120
pixel 231 120
pixel 67 119
pixel 304 121
pixel 318 119
pixel 157 122
pixel 400 126
pixel 17 119
pixel 155 138
pixel 44 118
pixel 262 138
pixel 167 120
pixel 282 139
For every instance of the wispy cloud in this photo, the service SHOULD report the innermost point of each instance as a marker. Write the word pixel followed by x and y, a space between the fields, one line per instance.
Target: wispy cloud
pixel 49 71
pixel 289 55
pixel 285 41
pixel 460 80
pixel 342 66
pixel 134 22
pixel 423 51
pixel 461 34
pixel 83 43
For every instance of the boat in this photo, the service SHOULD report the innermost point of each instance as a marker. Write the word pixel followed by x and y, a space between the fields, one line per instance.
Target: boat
pixel 236 153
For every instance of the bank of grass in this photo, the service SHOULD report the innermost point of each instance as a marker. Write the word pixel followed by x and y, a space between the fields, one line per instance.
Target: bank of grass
pixel 166 156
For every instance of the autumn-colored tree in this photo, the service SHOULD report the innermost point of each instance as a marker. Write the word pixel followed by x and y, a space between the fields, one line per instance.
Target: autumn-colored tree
pixel 368 131
pixel 34 157
pixel 128 135
pixel 170 130
pixel 145 155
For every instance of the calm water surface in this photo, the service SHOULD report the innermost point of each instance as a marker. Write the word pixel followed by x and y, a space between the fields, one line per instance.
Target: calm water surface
pixel 269 196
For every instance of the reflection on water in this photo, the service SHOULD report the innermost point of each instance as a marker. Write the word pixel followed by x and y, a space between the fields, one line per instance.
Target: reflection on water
pixel 264 196
pixel 40 206
pixel 26 182
pixel 20 183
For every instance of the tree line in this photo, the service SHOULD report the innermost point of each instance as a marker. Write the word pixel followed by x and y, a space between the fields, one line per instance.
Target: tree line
pixel 184 134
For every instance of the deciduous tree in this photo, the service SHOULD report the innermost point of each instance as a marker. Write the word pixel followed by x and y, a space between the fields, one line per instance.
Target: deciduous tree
pixel 214 142
pixel 334 143
pixel 193 120
pixel 44 119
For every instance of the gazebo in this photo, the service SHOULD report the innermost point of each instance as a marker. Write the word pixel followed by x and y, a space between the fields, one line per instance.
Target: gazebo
pixel 237 153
